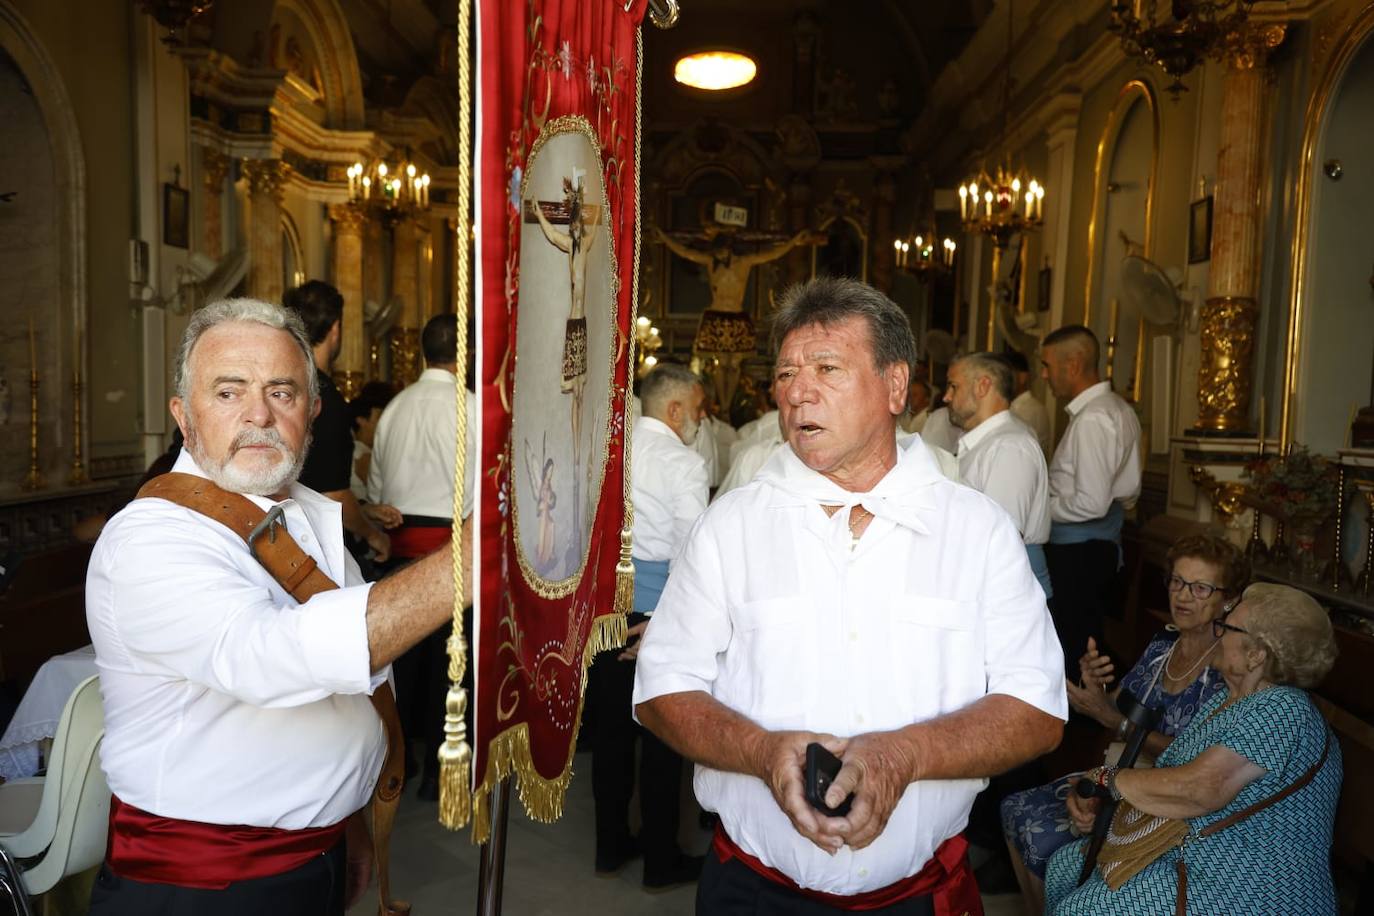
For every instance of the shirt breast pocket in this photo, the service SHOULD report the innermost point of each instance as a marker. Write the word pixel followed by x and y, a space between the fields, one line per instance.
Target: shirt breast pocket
pixel 936 654
pixel 767 677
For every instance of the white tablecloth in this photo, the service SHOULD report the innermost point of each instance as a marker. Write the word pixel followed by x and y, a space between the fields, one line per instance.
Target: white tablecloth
pixel 38 713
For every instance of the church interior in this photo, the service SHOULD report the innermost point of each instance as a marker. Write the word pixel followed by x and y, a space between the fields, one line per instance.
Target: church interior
pixel 998 168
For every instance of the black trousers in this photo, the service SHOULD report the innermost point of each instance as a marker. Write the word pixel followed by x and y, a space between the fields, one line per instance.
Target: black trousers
pixel 1087 588
pixel 732 888
pixel 314 889
pixel 610 688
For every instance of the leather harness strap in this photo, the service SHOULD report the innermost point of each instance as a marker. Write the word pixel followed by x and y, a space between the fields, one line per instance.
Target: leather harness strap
pixel 297 572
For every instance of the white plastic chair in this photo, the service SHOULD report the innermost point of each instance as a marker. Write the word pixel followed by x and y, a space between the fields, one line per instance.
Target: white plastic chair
pixel 31 803
pixel 83 821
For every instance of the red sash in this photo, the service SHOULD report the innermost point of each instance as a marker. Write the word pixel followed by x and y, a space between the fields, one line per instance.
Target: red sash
pixel 410 541
pixel 164 850
pixel 947 877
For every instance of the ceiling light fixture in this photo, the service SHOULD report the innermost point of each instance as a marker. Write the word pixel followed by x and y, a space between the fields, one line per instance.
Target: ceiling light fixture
pixel 715 70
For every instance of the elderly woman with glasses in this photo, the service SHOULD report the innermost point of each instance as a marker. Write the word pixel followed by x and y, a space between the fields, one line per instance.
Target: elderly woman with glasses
pixel 1250 785
pixel 1175 674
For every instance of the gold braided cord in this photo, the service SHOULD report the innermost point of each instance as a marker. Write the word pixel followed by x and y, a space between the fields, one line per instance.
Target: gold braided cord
pixel 455 756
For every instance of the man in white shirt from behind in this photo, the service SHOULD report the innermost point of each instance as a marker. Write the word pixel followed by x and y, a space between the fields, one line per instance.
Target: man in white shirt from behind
pixel 853 597
pixel 668 487
pixel 1094 478
pixel 1026 407
pixel 235 716
pixel 998 454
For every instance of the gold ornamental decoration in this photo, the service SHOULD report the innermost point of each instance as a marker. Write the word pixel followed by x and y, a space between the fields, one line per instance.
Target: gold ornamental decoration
pixel 266 176
pixel 1224 378
pixel 405 355
pixel 1248 47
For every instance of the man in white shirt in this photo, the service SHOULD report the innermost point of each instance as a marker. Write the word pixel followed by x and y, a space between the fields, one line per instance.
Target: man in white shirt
pixel 940 432
pixel 668 488
pixel 413 452
pixel 1027 408
pixel 1094 478
pixel 853 597
pixel 751 459
pixel 240 744
pixel 998 454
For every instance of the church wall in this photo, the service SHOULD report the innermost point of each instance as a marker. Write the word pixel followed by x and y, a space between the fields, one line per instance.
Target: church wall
pixel 94 61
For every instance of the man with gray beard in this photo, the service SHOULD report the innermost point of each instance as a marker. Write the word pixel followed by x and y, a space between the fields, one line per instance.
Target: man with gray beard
pixel 240 743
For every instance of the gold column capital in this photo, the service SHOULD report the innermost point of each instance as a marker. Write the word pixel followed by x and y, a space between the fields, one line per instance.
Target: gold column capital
pixel 1224 377
pixel 349 383
pixel 1248 47
pixel 348 217
pixel 216 166
pixel 267 177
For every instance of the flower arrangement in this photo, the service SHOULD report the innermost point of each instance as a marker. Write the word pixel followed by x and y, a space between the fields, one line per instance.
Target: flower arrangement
pixel 1299 488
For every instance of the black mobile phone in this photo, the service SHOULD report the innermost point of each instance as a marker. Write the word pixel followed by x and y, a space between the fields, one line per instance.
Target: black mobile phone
pixel 821 769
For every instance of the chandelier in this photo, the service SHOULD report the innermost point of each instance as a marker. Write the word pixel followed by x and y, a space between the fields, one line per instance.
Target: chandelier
pixel 647 342
pixel 1008 200
pixel 175 15
pixel 1179 37
pixel 922 257
pixel 398 185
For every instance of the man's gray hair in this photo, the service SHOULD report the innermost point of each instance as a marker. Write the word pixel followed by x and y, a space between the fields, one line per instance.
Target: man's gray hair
pixel 667 382
pixel 830 300
pixel 992 366
pixel 248 310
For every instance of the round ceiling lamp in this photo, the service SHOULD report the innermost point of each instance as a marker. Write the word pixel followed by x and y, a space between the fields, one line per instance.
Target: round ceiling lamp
pixel 715 70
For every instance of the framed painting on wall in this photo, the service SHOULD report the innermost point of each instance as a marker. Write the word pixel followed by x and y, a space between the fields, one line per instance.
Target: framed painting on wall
pixel 176 216
pixel 1200 230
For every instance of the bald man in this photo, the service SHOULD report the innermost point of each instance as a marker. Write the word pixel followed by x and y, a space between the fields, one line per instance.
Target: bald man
pixel 1094 478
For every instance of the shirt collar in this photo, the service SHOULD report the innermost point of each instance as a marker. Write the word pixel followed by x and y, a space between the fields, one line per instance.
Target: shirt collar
pixel 652 425
pixel 439 375
pixel 1086 396
pixel 970 439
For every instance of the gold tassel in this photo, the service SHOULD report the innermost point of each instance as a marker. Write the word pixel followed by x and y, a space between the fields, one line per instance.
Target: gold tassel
pixel 625 574
pixel 455 757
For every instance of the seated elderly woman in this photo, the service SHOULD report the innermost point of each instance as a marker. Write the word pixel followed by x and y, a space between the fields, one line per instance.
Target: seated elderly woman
pixel 1236 815
pixel 1174 675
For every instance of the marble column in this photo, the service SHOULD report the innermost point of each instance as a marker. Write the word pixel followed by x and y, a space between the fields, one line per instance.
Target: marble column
pixel 214 168
pixel 424 253
pixel 1231 313
pixel 266 188
pixel 405 337
pixel 349 369
pixel 1062 133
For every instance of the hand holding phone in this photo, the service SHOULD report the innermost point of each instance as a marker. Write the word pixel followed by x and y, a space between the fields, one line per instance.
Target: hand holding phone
pixel 821 769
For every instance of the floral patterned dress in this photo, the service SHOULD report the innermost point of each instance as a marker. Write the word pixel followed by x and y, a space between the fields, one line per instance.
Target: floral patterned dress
pixel 1277 862
pixel 1036 821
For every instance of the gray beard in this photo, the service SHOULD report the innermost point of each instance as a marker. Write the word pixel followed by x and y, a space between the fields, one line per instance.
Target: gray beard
pixel 267 482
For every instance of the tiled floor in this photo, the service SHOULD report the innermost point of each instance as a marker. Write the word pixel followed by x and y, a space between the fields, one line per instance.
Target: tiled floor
pixel 548 866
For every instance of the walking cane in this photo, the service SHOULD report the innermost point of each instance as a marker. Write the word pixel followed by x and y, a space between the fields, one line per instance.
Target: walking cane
pixel 1142 721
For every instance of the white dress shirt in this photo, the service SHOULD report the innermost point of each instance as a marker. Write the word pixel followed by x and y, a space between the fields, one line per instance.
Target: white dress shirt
pixel 668 489
pixel 1098 460
pixel 416 445
pixel 914 422
pixel 705 445
pixel 1001 458
pixel 226 702
pixel 750 459
pixel 1031 411
pixel 940 432
pixel 764 429
pixel 771 612
pixel 726 436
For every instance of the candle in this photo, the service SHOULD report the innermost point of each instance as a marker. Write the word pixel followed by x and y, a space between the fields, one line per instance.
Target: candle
pixel 33 348
pixel 963 202
pixel 1262 418
pixel 1111 321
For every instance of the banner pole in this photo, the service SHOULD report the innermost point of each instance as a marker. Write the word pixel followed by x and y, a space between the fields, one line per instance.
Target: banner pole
pixel 492 870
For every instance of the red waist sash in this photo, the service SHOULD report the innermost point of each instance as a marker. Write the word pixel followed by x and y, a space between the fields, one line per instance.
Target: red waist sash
pixel 946 877
pixel 410 541
pixel 164 850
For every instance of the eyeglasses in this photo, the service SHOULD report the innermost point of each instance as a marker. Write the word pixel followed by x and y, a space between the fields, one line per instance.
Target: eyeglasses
pixel 1220 626
pixel 1200 590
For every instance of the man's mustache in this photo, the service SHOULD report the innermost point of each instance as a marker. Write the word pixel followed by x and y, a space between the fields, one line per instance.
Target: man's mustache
pixel 255 436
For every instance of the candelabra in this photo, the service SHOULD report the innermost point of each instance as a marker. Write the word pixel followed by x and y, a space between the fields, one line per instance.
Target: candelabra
pixel 78 473
pixel 398 185
pixel 1178 40
pixel 34 479
pixel 647 341
pixel 920 257
pixel 994 204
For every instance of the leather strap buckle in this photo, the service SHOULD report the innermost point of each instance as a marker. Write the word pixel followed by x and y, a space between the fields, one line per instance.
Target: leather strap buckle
pixel 274 516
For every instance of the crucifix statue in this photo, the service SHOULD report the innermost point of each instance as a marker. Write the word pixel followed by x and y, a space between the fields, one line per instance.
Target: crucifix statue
pixel 726 332
pixel 581 221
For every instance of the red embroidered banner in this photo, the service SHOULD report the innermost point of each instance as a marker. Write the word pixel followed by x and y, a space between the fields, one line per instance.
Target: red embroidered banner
pixel 557 257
